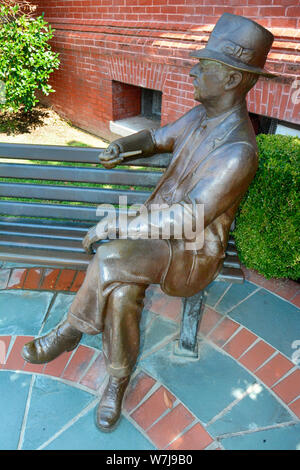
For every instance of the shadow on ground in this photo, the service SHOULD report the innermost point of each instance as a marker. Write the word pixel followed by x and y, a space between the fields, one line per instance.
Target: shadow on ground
pixel 22 122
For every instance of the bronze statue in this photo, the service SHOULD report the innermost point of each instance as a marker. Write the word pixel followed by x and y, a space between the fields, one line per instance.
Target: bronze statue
pixel 214 160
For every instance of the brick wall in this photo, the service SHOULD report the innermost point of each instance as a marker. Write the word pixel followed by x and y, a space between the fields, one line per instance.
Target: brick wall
pixel 146 43
pixel 126 100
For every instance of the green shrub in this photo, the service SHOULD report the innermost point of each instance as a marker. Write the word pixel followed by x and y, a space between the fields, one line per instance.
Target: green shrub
pixel 268 222
pixel 26 59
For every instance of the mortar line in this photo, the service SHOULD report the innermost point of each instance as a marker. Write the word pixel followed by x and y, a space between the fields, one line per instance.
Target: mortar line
pixel 187 428
pixel 84 388
pixel 47 312
pixel 252 431
pixel 224 293
pixel 257 379
pixel 289 372
pixel 227 408
pixel 152 390
pixel 25 417
pixel 69 423
pixel 243 300
pixel 160 345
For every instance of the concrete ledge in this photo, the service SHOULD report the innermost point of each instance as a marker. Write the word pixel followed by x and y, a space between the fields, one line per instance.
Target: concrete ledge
pixel 128 126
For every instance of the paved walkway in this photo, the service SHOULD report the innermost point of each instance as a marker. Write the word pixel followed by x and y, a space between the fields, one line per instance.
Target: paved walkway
pixel 243 392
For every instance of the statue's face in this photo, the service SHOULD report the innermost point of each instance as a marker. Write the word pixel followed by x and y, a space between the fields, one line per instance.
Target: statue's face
pixel 210 79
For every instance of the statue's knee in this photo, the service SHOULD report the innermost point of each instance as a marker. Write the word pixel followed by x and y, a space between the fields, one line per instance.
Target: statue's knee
pixel 128 299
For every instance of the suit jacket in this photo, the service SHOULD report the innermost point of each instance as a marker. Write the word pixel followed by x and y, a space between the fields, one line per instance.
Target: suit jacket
pixel 214 161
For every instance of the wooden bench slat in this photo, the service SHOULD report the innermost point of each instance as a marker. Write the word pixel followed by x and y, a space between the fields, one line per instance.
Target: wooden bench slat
pixel 50 211
pixel 73 193
pixel 231 250
pixel 73 154
pixel 47 243
pixel 57 237
pixel 39 227
pixel 232 262
pixel 233 275
pixel 80 174
pixel 44 257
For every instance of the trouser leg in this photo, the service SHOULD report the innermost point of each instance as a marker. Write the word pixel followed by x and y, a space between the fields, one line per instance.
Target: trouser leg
pixel 121 335
pixel 116 264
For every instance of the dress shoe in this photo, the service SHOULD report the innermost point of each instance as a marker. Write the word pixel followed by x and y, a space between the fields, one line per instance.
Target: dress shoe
pixel 109 409
pixel 46 348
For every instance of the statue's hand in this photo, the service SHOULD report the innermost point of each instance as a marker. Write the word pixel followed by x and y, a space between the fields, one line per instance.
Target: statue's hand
pixel 90 238
pixel 111 156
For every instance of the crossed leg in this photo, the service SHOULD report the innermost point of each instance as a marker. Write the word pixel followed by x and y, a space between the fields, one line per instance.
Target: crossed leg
pixel 110 300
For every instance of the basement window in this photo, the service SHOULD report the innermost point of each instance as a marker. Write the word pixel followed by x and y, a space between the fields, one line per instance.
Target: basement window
pixel 151 103
pixel 134 108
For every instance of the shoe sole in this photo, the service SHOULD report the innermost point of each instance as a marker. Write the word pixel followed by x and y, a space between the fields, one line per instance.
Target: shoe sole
pixel 50 360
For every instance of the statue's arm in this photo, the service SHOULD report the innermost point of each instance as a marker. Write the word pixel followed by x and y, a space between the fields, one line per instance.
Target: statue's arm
pixel 223 180
pixel 148 141
pixel 225 177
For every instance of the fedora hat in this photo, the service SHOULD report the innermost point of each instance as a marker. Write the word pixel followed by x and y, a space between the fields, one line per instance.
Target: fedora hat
pixel 240 43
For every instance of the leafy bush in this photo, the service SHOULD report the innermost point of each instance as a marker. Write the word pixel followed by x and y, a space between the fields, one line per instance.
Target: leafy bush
pixel 268 222
pixel 26 58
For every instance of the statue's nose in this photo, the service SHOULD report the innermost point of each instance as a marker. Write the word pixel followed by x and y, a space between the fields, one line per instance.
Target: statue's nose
pixel 193 72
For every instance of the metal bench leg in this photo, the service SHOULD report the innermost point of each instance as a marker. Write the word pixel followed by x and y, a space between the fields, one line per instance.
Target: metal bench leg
pixel 187 345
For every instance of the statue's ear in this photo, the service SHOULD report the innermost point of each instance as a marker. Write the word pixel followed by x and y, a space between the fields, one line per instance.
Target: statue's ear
pixel 234 79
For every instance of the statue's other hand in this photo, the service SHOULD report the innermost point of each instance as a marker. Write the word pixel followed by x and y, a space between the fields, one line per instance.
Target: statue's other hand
pixel 89 239
pixel 111 156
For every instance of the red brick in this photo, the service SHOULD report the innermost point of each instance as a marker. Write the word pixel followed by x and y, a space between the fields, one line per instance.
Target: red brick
pixel 195 438
pixel 57 366
pixel 257 355
pixel 33 368
pixel 50 277
pixel 17 278
pixel 209 320
pixel 79 363
pixel 65 279
pixel 15 361
pixel 152 408
pixel 95 375
pixel 289 388
pixel 168 427
pixel 223 331
pixel 166 306
pixel 33 278
pixel 271 11
pixel 273 370
pixel 239 343
pixel 78 281
pixel 4 276
pixel 137 389
pixel 293 11
pixel 254 276
pixel 296 300
pixel 288 290
pixel 138 24
pixel 285 288
pixel 295 407
pixel 4 344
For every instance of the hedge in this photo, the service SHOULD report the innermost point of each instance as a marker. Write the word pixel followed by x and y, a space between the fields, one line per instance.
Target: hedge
pixel 268 221
pixel 26 58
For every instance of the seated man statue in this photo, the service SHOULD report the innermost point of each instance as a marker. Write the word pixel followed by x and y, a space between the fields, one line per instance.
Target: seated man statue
pixel 214 160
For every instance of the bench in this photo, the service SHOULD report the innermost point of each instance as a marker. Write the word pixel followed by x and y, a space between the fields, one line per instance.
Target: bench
pixel 44 219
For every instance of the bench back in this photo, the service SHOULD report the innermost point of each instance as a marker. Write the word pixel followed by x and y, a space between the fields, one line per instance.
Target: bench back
pixel 49 196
